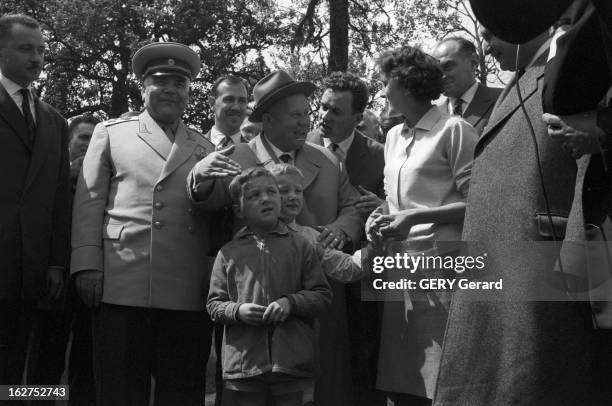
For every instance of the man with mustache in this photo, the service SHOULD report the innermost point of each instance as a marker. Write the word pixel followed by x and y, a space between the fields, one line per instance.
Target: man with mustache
pixel 329 201
pixel 139 245
pixel 229 98
pixel 35 200
pixel 465 96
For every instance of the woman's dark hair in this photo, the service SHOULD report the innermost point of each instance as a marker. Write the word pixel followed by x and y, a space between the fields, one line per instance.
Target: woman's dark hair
pixel 415 70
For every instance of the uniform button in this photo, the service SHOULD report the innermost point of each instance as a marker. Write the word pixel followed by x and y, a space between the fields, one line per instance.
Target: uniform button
pixel 158 224
pixel 159 188
pixel 159 205
pixel 191 229
pixel 190 210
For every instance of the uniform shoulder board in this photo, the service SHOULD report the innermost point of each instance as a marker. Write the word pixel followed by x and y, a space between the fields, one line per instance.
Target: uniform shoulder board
pixel 113 121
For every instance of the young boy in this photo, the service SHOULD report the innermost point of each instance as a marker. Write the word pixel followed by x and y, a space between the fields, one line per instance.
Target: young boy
pixel 267 287
pixel 336 264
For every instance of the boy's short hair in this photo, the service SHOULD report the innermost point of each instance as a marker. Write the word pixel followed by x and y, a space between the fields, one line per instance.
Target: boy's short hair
pixel 286 169
pixel 235 187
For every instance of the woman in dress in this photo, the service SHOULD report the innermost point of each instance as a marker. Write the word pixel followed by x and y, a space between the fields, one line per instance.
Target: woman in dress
pixel 428 162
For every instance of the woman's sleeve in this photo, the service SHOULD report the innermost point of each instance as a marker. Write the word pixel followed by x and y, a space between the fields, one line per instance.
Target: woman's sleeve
pixel 460 149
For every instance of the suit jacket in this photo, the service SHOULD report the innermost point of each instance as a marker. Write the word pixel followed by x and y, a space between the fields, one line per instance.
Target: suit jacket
pixel 133 220
pixel 35 201
pixel 329 198
pixel 535 352
pixel 365 162
pixel 479 110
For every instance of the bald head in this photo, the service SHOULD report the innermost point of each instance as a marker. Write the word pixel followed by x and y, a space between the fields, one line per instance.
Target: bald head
pixel 458 61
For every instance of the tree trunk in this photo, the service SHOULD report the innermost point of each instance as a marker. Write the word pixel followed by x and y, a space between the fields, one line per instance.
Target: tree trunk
pixel 338 38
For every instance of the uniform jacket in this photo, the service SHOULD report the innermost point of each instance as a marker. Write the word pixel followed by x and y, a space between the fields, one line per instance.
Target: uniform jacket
pixel 35 200
pixel 519 351
pixel 329 198
pixel 479 110
pixel 365 161
pixel 261 271
pixel 133 219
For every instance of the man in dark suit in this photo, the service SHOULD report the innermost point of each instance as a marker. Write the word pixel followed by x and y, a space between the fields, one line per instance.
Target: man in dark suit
pixel 528 343
pixel 465 96
pixel 340 111
pixel 35 201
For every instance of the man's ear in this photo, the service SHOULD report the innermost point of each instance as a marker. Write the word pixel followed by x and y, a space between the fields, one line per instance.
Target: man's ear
pixel 211 101
pixel 357 118
pixel 237 210
pixel 475 62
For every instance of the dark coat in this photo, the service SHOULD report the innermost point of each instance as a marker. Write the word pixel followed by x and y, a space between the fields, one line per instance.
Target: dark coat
pixel 35 199
pixel 365 162
pixel 479 110
pixel 504 348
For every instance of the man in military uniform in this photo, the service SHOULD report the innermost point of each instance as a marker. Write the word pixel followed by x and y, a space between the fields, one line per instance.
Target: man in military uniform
pixel 139 247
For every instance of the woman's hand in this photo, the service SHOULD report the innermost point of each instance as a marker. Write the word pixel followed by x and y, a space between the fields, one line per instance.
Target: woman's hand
pixel 396 226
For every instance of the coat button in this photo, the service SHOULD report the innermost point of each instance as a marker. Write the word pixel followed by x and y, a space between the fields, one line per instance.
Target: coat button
pixel 190 210
pixel 191 229
pixel 158 224
pixel 159 205
pixel 159 188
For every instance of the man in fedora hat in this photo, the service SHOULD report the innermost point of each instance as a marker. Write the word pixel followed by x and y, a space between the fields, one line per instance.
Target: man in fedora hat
pixel 139 245
pixel 329 201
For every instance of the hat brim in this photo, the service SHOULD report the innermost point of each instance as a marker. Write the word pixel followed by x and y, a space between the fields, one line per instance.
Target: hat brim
pixel 306 88
pixel 518 21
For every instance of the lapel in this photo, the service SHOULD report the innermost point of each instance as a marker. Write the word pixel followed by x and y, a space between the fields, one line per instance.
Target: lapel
pixel 356 151
pixel 307 159
pixel 207 136
pixel 477 109
pixel 508 102
pixel 45 134
pixel 152 134
pixel 182 149
pixel 264 158
pixel 13 116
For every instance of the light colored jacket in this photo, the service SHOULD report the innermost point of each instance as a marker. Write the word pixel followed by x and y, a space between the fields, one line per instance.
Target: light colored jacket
pixel 133 220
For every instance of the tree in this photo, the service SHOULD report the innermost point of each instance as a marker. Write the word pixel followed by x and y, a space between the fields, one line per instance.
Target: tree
pixel 88 63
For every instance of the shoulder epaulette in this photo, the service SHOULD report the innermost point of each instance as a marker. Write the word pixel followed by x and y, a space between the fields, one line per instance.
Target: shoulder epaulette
pixel 119 120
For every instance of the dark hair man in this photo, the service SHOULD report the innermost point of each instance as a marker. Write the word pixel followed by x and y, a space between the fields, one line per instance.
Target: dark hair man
pixel 35 201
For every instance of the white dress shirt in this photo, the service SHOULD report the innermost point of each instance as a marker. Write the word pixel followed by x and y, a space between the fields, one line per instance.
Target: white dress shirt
pixel 466 97
pixel 13 89
pixel 217 137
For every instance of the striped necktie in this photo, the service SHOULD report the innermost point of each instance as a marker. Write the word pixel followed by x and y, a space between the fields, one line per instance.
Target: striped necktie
pixel 225 142
pixel 458 107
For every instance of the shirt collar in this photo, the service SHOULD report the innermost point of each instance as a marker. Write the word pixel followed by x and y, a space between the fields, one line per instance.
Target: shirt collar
pixel 217 136
pixel 280 229
pixel 344 145
pixel 293 226
pixel 467 97
pixel 10 86
pixel 277 151
pixel 427 122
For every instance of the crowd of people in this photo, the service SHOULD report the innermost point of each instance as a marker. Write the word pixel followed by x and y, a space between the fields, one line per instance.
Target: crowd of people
pixel 253 239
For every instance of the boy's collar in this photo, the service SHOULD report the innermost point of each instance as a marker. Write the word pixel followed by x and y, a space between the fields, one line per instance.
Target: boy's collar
pixel 280 229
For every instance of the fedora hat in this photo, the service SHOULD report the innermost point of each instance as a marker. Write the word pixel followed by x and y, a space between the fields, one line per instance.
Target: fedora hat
pixel 276 86
pixel 518 21
pixel 166 58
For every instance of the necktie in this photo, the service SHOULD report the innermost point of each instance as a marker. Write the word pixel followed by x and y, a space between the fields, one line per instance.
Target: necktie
pixel 27 114
pixel 335 148
pixel 226 141
pixel 458 107
pixel 286 158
